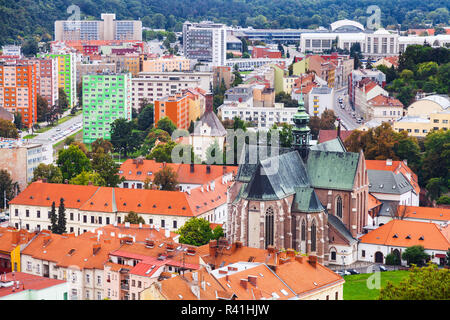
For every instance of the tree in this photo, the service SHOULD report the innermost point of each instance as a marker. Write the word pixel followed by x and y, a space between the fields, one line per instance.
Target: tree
pixel 196 232
pixel 61 217
pixel 123 136
pixel 436 187
pixel 167 125
pixel 42 108
pixel 162 152
pixel 18 120
pixel 85 178
pixel 8 129
pixel 448 258
pixel 392 259
pixel 50 173
pixel 63 101
pixel 355 53
pixel 415 255
pixel 436 158
pixel 7 186
pixel 145 119
pixel 166 179
pixel 101 145
pixel 72 161
pixel 426 283
pixel 283 97
pixel 54 219
pixel 133 218
pixel 30 47
pixel 107 168
pixel 217 233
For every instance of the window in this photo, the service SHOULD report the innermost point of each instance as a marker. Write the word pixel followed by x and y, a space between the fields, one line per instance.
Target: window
pixel 363 253
pixel 339 206
pixel 38 214
pixel 84 219
pixel 99 280
pixel 139 284
pixel 100 220
pixel 269 227
pixel 336 296
pixel 163 223
pixel 92 219
pixel 303 230
pixel 175 224
pixel 313 236
pixel 71 216
pixel 87 278
pixel 333 255
pixel 27 213
pixel 133 283
pixel 150 221
pixel 29 266
pixel 107 220
pixel 99 295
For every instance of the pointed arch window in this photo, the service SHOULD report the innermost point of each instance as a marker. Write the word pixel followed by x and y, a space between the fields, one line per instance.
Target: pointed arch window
pixel 339 206
pixel 269 219
pixel 303 235
pixel 313 237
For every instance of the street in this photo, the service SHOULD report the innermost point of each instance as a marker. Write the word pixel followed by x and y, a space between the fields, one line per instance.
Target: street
pixel 349 123
pixel 59 132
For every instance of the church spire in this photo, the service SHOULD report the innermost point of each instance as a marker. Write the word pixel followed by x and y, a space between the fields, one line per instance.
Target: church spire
pixel 301 132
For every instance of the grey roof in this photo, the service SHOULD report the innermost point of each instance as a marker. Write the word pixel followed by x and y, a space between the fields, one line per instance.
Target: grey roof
pixel 335 145
pixel 277 177
pixel 321 90
pixel 337 224
pixel 210 119
pixel 385 209
pixel 381 181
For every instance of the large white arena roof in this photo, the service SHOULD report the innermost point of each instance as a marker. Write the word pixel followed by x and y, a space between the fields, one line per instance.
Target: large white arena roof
pixel 345 23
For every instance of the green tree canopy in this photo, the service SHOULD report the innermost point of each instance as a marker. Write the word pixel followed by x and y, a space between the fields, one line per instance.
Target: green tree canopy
pixel 107 168
pixel 415 255
pixel 167 125
pixel 162 152
pixel 72 161
pixel 166 179
pixel 8 129
pixel 145 118
pixel 49 172
pixel 196 232
pixel 84 178
pixel 133 218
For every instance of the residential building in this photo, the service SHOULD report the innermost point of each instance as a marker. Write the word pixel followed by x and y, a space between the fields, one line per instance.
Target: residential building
pixel 419 127
pixel 67 74
pixel 320 99
pixel 24 286
pixel 357 75
pixel 90 207
pixel 234 45
pixel 388 62
pixel 166 64
pixel 20 159
pixel 189 176
pixel 265 52
pixel 222 74
pixel 155 85
pixel 366 90
pixel 18 90
pixel 205 41
pixel 77 260
pixel 106 29
pixel 95 67
pixel 197 102
pixel 125 62
pixel 11 243
pixel 175 107
pixel 384 108
pixel 269 35
pixel 11 51
pixel 106 98
pixel 398 235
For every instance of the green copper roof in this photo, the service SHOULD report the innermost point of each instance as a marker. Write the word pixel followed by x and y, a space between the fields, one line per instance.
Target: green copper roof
pixel 330 145
pixel 332 170
pixel 306 200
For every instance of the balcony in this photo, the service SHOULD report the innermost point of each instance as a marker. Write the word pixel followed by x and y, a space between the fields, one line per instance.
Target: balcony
pixel 125 286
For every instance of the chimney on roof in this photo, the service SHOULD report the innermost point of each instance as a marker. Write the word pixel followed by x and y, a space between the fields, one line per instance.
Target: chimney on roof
pixel 224 170
pixel 290 253
pixel 238 244
pixel 243 283
pixel 66 181
pixel 212 248
pixel 192 167
pixel 164 164
pixel 405 162
pixel 389 162
pixel 252 280
pixel 96 248
pixel 208 168
pixel 312 260
pixel 299 258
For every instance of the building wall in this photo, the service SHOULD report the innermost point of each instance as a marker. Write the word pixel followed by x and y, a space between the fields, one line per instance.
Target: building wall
pixel 332 292
pixel 166 65
pixel 56 292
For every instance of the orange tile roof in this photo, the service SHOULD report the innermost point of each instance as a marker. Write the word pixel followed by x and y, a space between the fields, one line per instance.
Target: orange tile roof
pixel 373 202
pixel 430 213
pixel 140 234
pixel 26 282
pixel 101 201
pixel 304 278
pixel 146 169
pixel 43 194
pixel 381 101
pixel 116 267
pixel 70 250
pixel 433 238
pixel 10 238
pixel 326 135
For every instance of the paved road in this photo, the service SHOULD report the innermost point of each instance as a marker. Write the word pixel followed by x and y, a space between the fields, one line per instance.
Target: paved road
pixel 344 114
pixel 154 47
pixel 60 132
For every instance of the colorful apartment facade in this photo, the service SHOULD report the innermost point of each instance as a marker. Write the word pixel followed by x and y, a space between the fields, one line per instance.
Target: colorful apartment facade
pixel 176 108
pixel 106 98
pixel 166 64
pixel 67 75
pixel 18 89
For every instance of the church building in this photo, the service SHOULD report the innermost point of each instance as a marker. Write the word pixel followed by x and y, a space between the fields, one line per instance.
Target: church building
pixel 315 202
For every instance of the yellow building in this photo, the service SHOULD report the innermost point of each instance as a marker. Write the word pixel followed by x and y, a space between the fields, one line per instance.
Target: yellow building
pixel 428 105
pixel 166 64
pixel 420 127
pixel 300 67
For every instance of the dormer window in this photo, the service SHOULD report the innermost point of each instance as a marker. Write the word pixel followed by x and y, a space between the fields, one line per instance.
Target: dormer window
pixel 395 236
pixel 408 237
pixel 421 238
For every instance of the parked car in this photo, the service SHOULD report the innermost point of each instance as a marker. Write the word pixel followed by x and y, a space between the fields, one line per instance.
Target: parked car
pixel 383 268
pixel 353 271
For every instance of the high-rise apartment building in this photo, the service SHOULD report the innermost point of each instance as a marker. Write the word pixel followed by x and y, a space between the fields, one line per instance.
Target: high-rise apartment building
pixel 106 29
pixel 175 107
pixel 205 41
pixel 18 91
pixel 106 98
pixel 67 74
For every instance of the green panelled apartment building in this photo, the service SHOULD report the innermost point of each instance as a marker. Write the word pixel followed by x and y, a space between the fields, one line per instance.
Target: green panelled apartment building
pixel 106 98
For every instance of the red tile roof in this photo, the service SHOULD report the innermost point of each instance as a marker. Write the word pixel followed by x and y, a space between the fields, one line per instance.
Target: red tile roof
pixel 426 213
pixel 382 101
pixel 26 282
pixel 326 135
pixel 140 233
pixel 10 238
pixel 395 233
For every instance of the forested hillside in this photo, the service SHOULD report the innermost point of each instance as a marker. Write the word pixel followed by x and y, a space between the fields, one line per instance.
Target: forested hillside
pixel 19 18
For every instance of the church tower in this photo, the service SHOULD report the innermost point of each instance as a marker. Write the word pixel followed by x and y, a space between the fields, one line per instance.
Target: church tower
pixel 301 133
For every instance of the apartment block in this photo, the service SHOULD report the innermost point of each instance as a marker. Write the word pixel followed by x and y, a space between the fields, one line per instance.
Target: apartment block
pixel 106 98
pixel 67 74
pixel 205 41
pixel 126 62
pixel 156 85
pixel 106 29
pixel 18 89
pixel 20 159
pixel 175 107
pixel 166 64
pixel 94 68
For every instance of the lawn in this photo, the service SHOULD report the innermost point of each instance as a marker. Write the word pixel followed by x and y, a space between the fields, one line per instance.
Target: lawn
pixel 30 136
pixel 355 286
